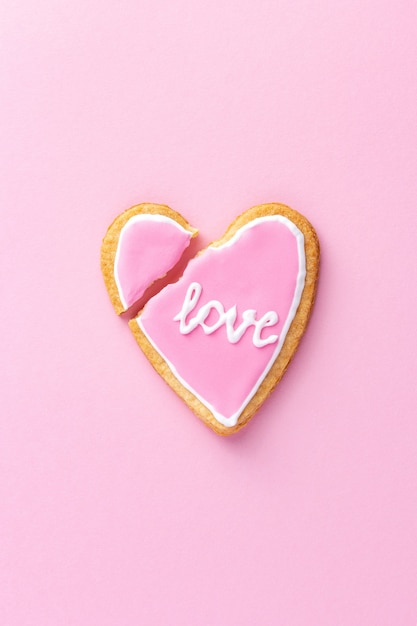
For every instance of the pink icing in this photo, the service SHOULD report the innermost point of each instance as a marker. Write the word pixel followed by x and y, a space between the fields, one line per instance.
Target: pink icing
pixel 149 246
pixel 262 269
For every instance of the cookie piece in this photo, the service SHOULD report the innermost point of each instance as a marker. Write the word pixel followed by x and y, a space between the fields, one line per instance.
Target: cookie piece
pixel 223 335
pixel 140 246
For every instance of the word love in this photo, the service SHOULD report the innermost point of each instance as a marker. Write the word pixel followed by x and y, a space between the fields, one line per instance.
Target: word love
pixel 226 318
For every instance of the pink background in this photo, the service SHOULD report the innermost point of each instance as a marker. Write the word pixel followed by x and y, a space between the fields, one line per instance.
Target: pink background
pixel 118 507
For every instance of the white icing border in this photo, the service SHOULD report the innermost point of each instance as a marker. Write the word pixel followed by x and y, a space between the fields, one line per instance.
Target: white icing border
pixel 141 217
pixel 300 283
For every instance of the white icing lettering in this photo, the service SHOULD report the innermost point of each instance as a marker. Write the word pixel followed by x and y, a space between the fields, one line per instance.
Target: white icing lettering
pixel 226 318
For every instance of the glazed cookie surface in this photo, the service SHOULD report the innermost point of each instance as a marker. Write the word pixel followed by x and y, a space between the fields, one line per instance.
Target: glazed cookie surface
pixel 223 335
pixel 140 246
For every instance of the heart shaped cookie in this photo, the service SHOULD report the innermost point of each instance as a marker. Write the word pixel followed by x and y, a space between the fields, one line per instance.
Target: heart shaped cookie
pixel 223 335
